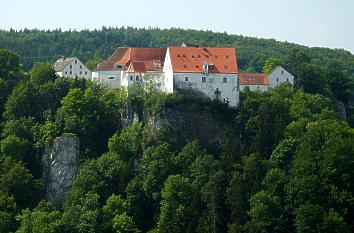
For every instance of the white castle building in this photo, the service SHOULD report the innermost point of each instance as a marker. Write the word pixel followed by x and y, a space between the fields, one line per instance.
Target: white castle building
pixel 211 71
pixel 71 67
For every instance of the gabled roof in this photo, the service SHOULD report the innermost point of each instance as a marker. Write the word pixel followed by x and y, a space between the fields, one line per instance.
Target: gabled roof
pixel 60 64
pixel 279 67
pixel 253 79
pixel 150 58
pixel 192 59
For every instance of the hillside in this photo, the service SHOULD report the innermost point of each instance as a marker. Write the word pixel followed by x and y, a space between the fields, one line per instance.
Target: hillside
pixel 44 45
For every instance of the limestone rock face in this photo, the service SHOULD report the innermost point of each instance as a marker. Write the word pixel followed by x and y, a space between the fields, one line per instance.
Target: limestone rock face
pixel 60 166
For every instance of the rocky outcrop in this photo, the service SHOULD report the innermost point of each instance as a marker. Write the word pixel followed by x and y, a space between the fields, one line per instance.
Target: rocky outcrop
pixel 60 166
pixel 341 111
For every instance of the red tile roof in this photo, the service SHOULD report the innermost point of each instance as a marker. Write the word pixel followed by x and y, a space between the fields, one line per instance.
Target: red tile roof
pixel 192 59
pixel 253 79
pixel 152 59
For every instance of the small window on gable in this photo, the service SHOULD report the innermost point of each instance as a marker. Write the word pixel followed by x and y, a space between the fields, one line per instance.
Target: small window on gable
pixel 185 66
pixel 225 66
pixel 80 67
pixel 282 71
pixel 227 56
pixel 224 80
pixel 203 79
pixel 186 79
pixel 131 78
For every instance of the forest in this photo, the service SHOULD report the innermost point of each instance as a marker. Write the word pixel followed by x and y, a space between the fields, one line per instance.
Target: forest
pixel 282 161
pixel 34 45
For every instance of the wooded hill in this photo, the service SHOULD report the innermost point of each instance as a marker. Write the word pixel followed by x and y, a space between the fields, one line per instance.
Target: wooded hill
pixel 44 45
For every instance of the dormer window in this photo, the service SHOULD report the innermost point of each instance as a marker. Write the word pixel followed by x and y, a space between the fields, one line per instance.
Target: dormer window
pixel 119 66
pixel 184 55
pixel 185 66
pixel 196 66
pixel 227 56
pixel 199 55
pixel 178 55
pixel 207 56
pixel 225 66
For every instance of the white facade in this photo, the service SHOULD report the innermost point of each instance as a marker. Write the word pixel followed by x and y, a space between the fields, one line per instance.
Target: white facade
pixel 73 67
pixel 214 85
pixel 254 87
pixel 279 75
pixel 108 78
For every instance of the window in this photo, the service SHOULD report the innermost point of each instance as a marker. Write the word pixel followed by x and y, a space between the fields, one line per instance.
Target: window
pixel 71 72
pixel 193 56
pixel 178 55
pixel 225 66
pixel 185 66
pixel 287 80
pixel 75 61
pixel 186 79
pixel 227 56
pixel 80 67
pixel 203 79
pixel 110 77
pixel 277 80
pixel 184 55
pixel 282 71
pixel 196 66
pixel 207 56
pixel 216 56
pixel 85 72
pixel 198 55
pixel 224 80
pixel 137 78
pixel 119 66
pixel 71 66
pixel 80 72
pixel 66 72
pixel 131 78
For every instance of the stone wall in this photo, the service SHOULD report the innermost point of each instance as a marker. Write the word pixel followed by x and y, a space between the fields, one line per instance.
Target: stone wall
pixel 60 165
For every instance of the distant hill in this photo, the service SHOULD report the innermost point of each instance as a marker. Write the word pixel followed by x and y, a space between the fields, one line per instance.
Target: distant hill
pixel 48 45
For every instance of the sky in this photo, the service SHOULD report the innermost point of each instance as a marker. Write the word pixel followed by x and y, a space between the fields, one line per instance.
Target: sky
pixel 320 23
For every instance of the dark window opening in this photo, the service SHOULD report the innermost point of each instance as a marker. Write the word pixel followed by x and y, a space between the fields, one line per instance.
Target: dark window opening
pixel 186 79
pixel 224 80
pixel 203 79
pixel 131 78
pixel 111 77
pixel 185 66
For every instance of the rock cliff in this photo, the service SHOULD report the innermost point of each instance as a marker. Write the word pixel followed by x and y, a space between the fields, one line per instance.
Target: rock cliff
pixel 60 166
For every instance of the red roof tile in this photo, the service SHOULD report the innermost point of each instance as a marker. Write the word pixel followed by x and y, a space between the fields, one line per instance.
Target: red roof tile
pixel 153 59
pixel 192 59
pixel 253 79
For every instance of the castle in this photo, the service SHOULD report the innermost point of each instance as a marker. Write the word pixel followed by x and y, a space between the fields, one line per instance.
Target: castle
pixel 212 72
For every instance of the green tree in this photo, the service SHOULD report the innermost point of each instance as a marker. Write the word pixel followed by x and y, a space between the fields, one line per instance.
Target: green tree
pixel 271 64
pixel 178 212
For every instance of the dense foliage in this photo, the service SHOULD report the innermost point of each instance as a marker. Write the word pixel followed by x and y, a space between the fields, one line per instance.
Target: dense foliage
pixel 42 45
pixel 283 162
